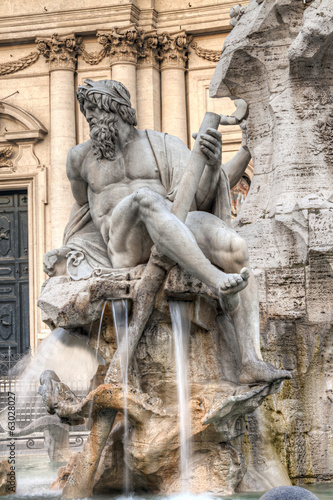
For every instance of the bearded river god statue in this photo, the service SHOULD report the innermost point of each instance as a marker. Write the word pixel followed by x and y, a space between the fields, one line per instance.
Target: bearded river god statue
pixel 151 223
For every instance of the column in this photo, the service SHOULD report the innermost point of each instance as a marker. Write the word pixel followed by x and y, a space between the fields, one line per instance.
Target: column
pixel 173 49
pixel 61 53
pixel 122 45
pixel 149 84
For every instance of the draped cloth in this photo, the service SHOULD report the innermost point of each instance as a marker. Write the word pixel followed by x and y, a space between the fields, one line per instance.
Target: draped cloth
pixel 171 156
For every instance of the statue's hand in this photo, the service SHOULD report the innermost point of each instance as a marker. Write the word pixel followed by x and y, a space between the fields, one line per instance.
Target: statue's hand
pixel 211 146
pixel 54 261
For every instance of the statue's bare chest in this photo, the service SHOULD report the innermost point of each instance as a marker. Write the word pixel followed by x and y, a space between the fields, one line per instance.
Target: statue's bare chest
pixel 137 163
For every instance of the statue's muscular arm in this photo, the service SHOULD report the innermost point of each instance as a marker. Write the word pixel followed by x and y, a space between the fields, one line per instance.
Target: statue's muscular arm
pixel 75 159
pixel 236 167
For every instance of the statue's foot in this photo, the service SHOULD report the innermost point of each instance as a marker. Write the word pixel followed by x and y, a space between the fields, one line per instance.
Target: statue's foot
pixel 258 372
pixel 230 286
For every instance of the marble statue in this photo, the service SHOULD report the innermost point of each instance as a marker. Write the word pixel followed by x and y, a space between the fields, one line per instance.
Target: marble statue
pixel 152 222
pixel 125 180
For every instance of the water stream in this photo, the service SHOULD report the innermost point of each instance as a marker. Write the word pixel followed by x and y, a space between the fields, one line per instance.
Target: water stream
pixel 96 358
pixel 120 319
pixel 181 326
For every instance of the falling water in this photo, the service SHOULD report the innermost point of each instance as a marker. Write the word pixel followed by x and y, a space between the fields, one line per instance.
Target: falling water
pixel 67 355
pixel 181 326
pixel 120 319
pixel 89 423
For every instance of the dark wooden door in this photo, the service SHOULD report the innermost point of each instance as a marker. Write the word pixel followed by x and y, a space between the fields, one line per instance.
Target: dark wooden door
pixel 14 272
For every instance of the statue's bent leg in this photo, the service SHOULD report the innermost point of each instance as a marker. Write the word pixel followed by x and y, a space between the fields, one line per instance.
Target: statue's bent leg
pixel 147 211
pixel 226 249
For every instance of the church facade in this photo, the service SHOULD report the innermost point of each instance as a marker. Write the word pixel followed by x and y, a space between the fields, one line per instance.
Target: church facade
pixel 165 52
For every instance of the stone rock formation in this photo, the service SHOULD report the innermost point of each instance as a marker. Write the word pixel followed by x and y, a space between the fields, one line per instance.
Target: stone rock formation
pixel 218 402
pixel 279 59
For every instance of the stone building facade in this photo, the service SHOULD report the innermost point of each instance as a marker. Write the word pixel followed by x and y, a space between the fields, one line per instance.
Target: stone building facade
pixel 165 52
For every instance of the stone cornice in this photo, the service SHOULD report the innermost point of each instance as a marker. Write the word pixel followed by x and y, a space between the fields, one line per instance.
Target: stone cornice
pixel 196 20
pixel 18 29
pixel 60 51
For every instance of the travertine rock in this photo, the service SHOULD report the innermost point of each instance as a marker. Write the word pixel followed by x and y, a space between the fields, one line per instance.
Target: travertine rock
pixel 7 478
pixel 218 402
pixel 279 59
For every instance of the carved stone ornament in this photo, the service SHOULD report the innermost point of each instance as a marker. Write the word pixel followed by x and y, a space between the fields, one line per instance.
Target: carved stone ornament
pixel 122 44
pixel 22 63
pixel 208 54
pixel 174 49
pixel 60 51
pixel 92 58
pixel 6 153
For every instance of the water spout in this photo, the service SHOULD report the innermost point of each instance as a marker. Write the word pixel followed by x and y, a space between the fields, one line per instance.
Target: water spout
pixel 181 326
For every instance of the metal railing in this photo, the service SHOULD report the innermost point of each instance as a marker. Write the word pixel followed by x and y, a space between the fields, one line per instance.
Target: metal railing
pixel 10 359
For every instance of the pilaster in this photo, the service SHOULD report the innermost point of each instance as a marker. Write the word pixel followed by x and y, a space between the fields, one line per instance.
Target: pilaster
pixel 149 83
pixel 173 56
pixel 122 46
pixel 61 52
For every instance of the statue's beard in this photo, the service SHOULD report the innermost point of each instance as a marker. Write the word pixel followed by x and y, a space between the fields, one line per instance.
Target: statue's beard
pixel 104 134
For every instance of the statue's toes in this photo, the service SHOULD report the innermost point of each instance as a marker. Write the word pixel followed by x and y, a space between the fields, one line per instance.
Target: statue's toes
pixel 232 282
pixel 245 273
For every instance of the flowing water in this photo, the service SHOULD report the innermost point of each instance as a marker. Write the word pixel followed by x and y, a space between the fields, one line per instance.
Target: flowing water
pixel 89 424
pixel 181 326
pixel 120 319
pixel 67 355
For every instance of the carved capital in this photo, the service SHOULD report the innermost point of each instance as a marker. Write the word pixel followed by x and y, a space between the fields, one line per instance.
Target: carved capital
pixel 149 53
pixel 122 44
pixel 60 51
pixel 174 49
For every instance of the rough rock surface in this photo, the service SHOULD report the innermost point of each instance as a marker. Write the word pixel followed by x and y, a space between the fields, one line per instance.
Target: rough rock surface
pixel 279 59
pixel 7 482
pixel 218 401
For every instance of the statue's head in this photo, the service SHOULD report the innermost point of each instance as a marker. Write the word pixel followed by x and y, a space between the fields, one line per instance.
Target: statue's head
pixel 102 103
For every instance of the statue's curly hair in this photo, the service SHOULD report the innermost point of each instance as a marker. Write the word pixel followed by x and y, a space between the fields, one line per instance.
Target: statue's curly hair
pixel 106 103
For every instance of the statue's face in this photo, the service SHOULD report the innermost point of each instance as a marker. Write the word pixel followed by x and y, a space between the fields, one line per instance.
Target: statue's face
pixel 103 130
pixel 92 113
